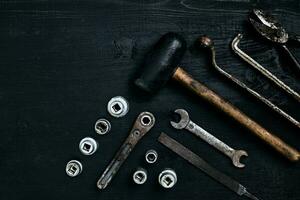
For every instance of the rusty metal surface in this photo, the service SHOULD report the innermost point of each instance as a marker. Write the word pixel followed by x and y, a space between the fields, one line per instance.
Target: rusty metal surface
pixel 230 110
pixel 139 129
pixel 186 123
pixel 261 69
pixel 62 60
pixel 206 42
pixel 201 164
pixel 268 26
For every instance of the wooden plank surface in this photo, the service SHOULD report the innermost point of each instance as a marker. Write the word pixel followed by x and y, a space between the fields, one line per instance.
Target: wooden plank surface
pixel 61 62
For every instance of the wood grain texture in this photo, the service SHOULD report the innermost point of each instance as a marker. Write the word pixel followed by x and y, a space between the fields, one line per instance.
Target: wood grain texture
pixel 61 61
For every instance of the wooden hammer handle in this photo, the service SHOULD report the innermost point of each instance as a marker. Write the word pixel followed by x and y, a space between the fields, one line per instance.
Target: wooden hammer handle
pixel 201 90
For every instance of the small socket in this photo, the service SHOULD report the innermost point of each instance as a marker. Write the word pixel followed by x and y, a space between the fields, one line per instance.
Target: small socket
pixel 88 146
pixel 102 126
pixel 151 156
pixel 73 168
pixel 167 178
pixel 118 106
pixel 140 176
pixel 146 120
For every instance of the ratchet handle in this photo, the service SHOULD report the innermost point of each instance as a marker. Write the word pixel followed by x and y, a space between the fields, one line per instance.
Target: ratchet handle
pixel 205 93
pixel 291 55
pixel 114 165
pixel 144 122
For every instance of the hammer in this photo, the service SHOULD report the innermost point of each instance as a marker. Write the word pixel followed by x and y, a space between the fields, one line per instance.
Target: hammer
pixel 161 64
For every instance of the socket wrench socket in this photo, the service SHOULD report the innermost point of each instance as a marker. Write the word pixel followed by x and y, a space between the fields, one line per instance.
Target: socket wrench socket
pixel 102 126
pixel 140 176
pixel 167 178
pixel 151 156
pixel 88 146
pixel 73 168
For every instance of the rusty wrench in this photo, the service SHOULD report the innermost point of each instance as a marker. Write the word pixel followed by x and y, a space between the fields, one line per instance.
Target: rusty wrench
pixel 186 123
pixel 143 124
pixel 161 64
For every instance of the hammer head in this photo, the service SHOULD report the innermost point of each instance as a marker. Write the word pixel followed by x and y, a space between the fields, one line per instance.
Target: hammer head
pixel 161 62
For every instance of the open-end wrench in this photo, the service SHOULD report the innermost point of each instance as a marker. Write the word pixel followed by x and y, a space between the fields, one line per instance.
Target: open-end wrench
pixel 201 164
pixel 186 123
pixel 161 65
pixel 144 122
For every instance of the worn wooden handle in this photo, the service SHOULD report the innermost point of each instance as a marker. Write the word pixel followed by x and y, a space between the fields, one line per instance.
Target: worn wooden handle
pixel 201 90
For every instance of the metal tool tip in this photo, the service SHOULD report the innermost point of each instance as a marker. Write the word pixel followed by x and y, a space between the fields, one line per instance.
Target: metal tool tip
pixel 256 10
pixel 251 196
pixel 101 186
pixel 205 42
pixel 240 36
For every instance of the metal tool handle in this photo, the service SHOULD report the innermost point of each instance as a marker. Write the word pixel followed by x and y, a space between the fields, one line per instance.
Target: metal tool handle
pixel 210 139
pixel 261 69
pixel 114 165
pixel 144 122
pixel 243 85
pixel 202 91
pixel 293 58
pixel 201 164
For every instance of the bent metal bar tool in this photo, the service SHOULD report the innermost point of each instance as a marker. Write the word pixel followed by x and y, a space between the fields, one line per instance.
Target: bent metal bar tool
pixel 201 164
pixel 260 68
pixel 186 123
pixel 144 122
pixel 161 64
pixel 268 27
pixel 206 42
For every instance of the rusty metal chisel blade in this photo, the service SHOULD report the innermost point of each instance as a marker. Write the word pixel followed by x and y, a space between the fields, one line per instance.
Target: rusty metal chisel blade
pixel 201 164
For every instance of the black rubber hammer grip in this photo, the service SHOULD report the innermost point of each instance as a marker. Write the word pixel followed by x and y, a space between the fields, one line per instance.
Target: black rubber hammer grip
pixel 161 62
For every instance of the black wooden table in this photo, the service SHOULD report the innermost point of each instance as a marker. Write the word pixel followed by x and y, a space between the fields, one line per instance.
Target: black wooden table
pixel 61 61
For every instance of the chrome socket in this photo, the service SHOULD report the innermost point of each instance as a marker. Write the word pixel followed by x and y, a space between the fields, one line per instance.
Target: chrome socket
pixel 140 176
pixel 118 106
pixel 151 156
pixel 73 168
pixel 167 178
pixel 88 146
pixel 146 120
pixel 102 126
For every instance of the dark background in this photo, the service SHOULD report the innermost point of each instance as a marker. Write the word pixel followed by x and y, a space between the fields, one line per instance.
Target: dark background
pixel 61 61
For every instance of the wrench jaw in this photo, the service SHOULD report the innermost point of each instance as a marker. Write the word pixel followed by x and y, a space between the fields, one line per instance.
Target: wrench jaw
pixel 184 119
pixel 237 156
